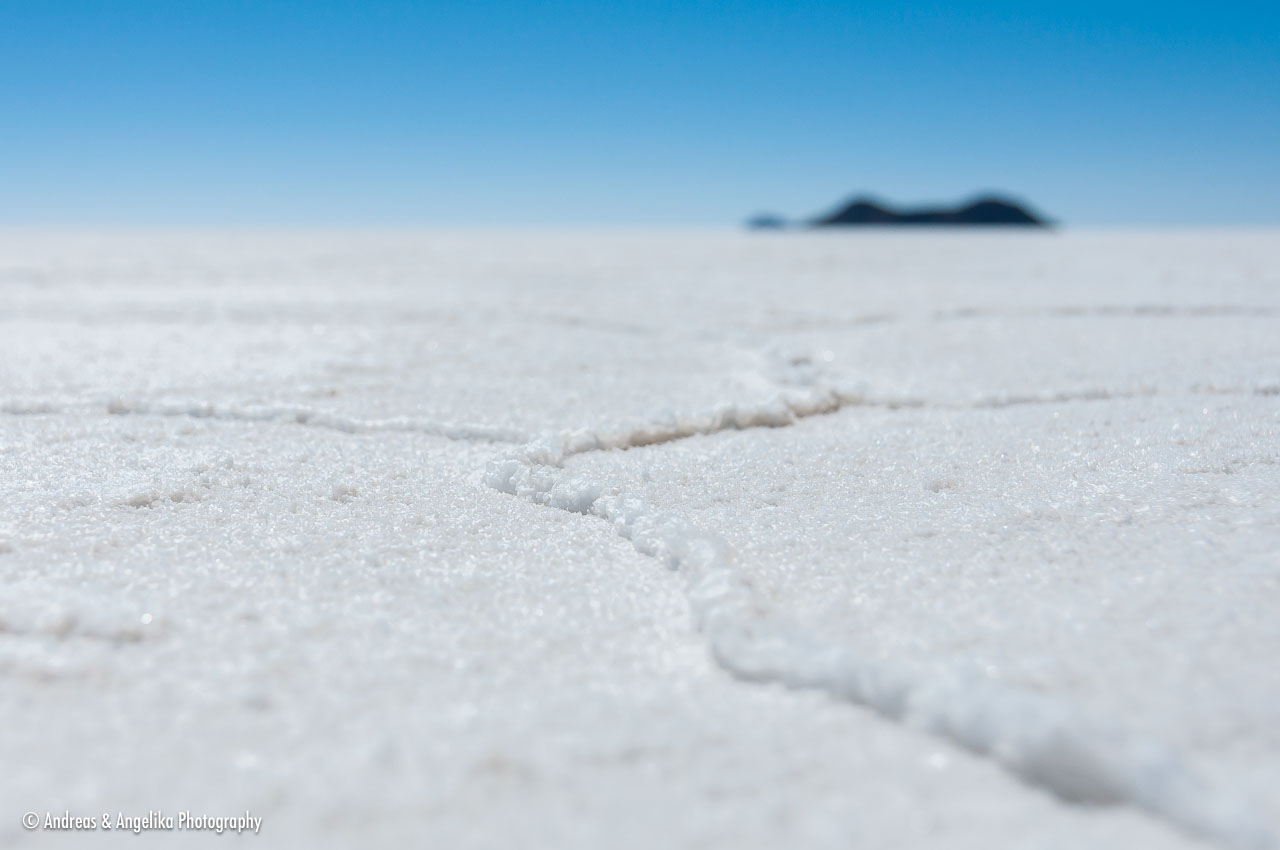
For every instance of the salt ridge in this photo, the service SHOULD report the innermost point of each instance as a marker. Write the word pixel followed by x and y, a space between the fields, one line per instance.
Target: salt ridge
pixel 272 413
pixel 1045 742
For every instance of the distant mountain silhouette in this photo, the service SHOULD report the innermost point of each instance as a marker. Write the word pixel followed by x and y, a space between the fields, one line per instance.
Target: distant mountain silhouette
pixel 767 221
pixel 864 211
pixel 988 210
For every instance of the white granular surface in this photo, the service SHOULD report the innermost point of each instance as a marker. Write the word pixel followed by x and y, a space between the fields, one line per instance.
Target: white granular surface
pixel 643 540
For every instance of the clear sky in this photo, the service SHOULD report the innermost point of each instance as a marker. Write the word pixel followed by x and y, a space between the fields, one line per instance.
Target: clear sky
pixel 483 113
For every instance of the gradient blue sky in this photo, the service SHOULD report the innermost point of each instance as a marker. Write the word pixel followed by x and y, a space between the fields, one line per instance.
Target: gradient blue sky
pixel 126 113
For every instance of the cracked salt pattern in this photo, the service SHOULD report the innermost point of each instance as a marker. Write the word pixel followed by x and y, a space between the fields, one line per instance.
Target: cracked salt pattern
pixel 247 545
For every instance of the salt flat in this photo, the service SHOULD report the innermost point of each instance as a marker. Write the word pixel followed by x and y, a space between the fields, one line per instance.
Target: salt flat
pixel 683 539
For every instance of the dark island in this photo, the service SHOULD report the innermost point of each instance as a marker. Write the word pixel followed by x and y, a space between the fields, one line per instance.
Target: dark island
pixel 865 211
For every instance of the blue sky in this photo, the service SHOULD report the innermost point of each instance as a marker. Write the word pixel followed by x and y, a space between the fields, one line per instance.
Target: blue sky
pixel 239 113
